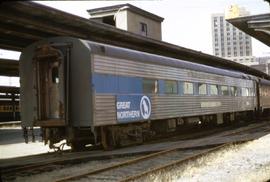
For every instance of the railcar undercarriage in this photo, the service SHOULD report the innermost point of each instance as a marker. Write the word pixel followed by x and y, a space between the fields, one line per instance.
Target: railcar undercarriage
pixel 115 136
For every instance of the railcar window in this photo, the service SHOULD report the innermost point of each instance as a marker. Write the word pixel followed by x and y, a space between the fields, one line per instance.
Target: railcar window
pixel 150 86
pixel 244 92
pixel 213 90
pixel 224 90
pixel 170 87
pixel 251 92
pixel 188 88
pixel 55 75
pixel 202 89
pixel 233 91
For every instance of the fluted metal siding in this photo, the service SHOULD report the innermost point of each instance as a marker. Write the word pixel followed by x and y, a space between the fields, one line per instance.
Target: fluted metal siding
pixel 104 110
pixel 167 106
pixel 114 66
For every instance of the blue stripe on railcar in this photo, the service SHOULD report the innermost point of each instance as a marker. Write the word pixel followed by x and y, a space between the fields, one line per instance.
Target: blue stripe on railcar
pixel 116 84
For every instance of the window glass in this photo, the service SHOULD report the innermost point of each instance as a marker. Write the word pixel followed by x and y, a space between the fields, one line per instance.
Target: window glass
pixel 188 88
pixel 143 29
pixel 244 92
pixel 213 90
pixel 150 86
pixel 202 89
pixel 233 91
pixel 251 92
pixel 55 75
pixel 224 90
pixel 170 87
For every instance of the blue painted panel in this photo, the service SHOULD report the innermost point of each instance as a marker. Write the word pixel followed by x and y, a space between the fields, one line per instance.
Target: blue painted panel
pixel 116 84
pixel 132 108
pixel 105 83
pixel 180 88
pixel 161 85
pixel 129 85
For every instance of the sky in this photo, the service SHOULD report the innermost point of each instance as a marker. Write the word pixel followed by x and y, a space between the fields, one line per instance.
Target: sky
pixel 187 23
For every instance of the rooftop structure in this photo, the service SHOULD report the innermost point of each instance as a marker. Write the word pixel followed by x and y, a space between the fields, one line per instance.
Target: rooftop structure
pixel 130 18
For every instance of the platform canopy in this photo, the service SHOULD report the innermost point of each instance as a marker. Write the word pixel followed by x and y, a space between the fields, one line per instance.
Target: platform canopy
pixel 258 26
pixel 24 22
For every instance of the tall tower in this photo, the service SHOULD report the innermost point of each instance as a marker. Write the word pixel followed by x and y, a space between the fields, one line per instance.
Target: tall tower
pixel 228 41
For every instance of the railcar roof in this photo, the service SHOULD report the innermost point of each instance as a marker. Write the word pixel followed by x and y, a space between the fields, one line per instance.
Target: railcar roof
pixel 124 53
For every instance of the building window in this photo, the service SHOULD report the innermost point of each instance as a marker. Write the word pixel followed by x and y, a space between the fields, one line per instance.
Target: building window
pixel 143 29
pixel 241 53
pixel 202 89
pixel 213 90
pixel 170 87
pixel 150 86
pixel 108 20
pixel 188 88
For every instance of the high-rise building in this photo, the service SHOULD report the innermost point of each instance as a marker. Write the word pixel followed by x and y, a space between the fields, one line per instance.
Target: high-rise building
pixel 228 41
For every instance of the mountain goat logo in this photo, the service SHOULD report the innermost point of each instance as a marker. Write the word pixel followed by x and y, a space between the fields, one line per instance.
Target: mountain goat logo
pixel 145 107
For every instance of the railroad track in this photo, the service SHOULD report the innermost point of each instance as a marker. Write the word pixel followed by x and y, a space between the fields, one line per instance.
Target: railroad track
pixel 137 168
pixel 180 152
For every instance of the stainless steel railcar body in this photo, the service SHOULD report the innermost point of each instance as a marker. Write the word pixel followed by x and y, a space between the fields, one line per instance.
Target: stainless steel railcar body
pixel 71 86
pixel 264 94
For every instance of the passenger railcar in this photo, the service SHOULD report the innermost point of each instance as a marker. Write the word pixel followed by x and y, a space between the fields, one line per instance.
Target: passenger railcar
pixel 264 95
pixel 87 92
pixel 9 111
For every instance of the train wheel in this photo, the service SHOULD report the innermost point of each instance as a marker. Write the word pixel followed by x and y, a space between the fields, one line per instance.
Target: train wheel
pixel 107 139
pixel 77 146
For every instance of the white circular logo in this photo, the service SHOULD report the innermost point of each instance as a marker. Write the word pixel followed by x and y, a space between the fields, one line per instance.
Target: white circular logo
pixel 145 107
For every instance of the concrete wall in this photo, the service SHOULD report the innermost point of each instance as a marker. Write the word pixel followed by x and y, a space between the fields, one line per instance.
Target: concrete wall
pixel 121 20
pixel 153 27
